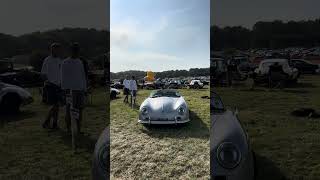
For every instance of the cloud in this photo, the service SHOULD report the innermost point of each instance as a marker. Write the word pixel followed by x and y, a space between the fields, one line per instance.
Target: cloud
pixel 162 42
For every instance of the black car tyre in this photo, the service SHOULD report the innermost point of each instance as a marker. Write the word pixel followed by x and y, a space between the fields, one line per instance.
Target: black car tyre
pixel 101 157
pixel 113 95
pixel 10 103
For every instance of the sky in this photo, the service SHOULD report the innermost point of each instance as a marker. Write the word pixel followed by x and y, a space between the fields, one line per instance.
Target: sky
pixel 159 35
pixel 247 12
pixel 24 16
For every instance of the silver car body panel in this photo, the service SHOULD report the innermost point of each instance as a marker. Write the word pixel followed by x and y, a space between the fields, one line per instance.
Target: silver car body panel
pixel 226 127
pixel 164 110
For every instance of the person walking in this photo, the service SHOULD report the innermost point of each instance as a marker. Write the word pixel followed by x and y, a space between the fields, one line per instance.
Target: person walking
pixel 50 72
pixel 126 83
pixel 133 89
pixel 74 82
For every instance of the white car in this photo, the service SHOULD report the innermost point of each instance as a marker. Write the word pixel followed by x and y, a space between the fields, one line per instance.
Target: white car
pixel 196 84
pixel 261 73
pixel 12 97
pixel 114 92
pixel 165 106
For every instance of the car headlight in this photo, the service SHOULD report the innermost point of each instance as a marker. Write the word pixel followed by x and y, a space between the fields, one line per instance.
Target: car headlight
pixel 228 155
pixel 144 111
pixel 181 110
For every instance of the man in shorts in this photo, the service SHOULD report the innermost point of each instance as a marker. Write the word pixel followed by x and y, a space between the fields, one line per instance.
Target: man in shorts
pixel 126 92
pixel 133 89
pixel 74 82
pixel 51 73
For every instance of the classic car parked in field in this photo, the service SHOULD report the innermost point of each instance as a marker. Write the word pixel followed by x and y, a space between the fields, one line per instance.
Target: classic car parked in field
pixel 231 156
pixel 289 74
pixel 243 63
pixel 219 71
pixel 113 93
pixel 117 85
pixel 12 97
pixel 305 67
pixel 196 84
pixel 165 106
pixel 101 157
pixel 174 84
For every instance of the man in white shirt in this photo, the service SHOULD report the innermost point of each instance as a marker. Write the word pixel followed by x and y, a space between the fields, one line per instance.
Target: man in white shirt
pixel 51 73
pixel 133 89
pixel 74 82
pixel 126 91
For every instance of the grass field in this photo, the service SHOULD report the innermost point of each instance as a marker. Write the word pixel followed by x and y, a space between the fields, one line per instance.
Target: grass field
pixel 30 152
pixel 286 146
pixel 160 152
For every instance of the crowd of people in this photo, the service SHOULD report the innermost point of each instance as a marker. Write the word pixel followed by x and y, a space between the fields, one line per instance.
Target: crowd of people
pixel 130 88
pixel 65 85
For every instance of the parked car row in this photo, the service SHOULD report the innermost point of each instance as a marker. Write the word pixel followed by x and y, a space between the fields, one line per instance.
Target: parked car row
pixel 163 84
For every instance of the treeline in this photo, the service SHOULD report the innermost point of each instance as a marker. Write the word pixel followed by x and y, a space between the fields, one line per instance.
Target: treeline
pixel 193 72
pixel 93 43
pixel 275 34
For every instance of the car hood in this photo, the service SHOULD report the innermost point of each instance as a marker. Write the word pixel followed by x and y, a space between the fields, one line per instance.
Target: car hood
pixel 227 128
pixel 163 104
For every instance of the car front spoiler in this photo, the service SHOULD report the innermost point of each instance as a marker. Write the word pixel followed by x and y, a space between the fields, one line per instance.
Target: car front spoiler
pixel 163 122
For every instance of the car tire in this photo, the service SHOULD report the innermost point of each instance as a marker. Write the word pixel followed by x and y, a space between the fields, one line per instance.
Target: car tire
pixel 101 157
pixel 10 103
pixel 113 95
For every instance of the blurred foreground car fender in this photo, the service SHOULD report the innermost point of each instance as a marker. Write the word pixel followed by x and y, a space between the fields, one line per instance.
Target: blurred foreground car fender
pixel 101 157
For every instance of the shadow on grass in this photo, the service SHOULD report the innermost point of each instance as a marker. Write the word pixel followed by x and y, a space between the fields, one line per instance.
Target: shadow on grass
pixel 301 85
pixel 134 107
pixel 86 141
pixel 5 118
pixel 196 128
pixel 266 169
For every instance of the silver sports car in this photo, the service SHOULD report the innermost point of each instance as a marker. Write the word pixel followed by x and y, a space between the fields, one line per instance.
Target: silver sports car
pixel 230 151
pixel 165 106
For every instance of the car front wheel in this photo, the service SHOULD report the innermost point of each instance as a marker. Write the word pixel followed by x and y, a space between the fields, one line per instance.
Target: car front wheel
pixel 113 95
pixel 10 103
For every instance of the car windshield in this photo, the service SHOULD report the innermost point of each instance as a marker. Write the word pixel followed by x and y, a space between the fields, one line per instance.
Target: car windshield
pixel 164 93
pixel 216 103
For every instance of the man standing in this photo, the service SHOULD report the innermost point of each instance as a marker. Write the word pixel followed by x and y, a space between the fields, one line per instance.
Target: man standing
pixel 73 81
pixel 126 83
pixel 133 90
pixel 51 73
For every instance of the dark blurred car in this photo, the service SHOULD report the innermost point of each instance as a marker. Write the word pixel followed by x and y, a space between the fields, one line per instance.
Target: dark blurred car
pixel 117 85
pixel 101 157
pixel 12 97
pixel 219 71
pixel 113 93
pixel 24 77
pixel 175 84
pixel 243 63
pixel 305 67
